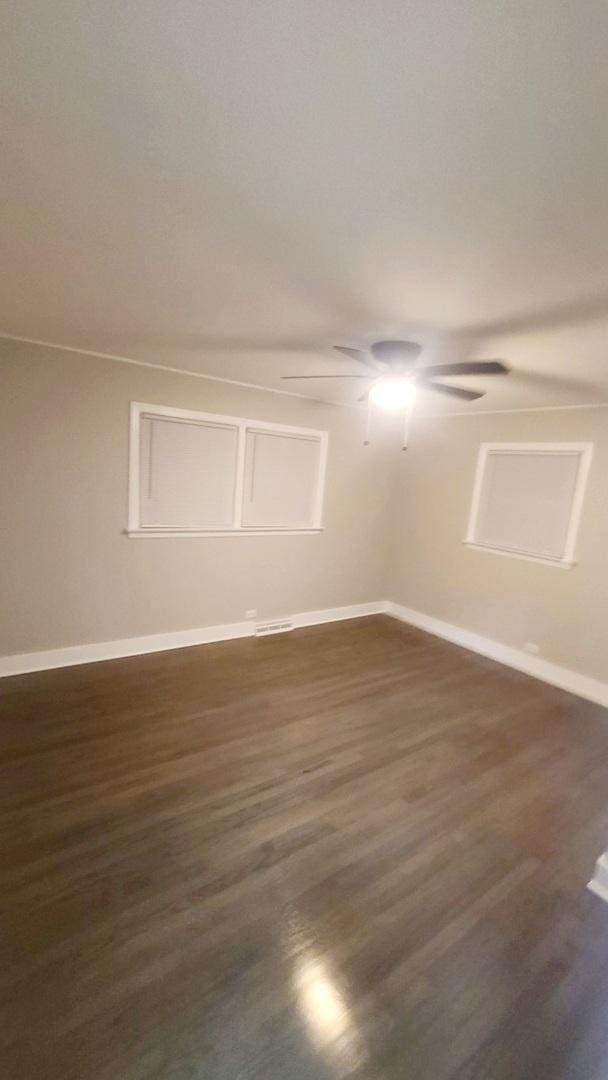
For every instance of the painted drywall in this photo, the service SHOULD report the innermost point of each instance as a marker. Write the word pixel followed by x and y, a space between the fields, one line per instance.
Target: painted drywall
pixel 71 576
pixel 512 601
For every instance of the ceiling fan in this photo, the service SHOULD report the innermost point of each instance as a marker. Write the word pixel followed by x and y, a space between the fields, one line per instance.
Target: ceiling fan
pixel 395 376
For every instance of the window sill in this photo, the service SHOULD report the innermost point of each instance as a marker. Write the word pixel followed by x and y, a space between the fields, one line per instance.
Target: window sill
pixel 138 534
pixel 561 564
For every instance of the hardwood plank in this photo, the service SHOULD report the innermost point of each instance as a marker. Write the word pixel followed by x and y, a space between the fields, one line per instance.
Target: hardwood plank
pixel 354 850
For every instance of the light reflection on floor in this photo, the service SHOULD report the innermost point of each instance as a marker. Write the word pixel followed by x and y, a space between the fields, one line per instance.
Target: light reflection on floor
pixel 328 1017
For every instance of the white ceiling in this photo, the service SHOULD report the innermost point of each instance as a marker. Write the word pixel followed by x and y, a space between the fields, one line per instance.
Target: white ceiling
pixel 230 186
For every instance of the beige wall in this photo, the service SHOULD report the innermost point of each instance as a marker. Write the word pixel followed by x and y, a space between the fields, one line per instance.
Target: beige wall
pixel 565 612
pixel 70 576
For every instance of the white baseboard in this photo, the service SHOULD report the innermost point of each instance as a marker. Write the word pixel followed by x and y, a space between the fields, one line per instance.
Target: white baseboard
pixel 336 614
pixel 21 663
pixel 599 881
pixel 564 678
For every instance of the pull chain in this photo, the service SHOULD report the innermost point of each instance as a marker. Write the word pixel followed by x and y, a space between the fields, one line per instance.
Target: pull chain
pixel 406 426
pixel 368 422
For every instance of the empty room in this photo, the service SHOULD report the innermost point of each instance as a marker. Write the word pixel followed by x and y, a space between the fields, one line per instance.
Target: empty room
pixel 304 522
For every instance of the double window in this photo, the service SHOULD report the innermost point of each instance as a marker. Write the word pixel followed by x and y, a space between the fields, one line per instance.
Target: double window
pixel 195 474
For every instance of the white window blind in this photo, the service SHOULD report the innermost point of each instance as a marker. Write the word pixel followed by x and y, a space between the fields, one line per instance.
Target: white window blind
pixel 188 474
pixel 528 499
pixel 280 480
pixel 197 473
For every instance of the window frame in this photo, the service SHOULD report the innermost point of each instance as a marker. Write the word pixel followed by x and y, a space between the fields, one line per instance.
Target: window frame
pixel 584 450
pixel 139 410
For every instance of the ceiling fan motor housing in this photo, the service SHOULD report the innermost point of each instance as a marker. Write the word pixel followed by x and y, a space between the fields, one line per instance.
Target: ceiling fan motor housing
pixel 399 355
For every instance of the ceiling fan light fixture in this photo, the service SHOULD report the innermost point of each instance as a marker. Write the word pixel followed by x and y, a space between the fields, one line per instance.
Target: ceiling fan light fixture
pixel 393 394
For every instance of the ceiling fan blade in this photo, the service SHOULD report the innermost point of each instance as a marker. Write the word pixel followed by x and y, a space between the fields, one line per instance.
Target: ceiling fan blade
pixel 354 354
pixel 468 367
pixel 451 391
pixel 359 354
pixel 327 376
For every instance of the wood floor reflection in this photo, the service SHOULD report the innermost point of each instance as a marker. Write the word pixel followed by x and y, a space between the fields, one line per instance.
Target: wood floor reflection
pixel 350 851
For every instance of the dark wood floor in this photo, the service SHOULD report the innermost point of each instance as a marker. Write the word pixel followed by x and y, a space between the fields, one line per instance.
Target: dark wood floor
pixel 353 851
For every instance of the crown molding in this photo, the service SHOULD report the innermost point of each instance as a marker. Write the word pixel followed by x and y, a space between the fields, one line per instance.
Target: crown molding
pixel 173 370
pixel 522 409
pixel 285 393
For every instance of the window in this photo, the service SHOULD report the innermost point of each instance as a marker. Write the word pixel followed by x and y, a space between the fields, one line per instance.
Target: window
pixel 527 499
pixel 193 474
pixel 280 480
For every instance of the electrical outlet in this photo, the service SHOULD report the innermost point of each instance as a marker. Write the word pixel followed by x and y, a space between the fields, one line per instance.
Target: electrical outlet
pixel 252 613
pixel 532 647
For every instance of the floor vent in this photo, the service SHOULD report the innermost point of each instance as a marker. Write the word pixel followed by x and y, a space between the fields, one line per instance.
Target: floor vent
pixel 277 626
